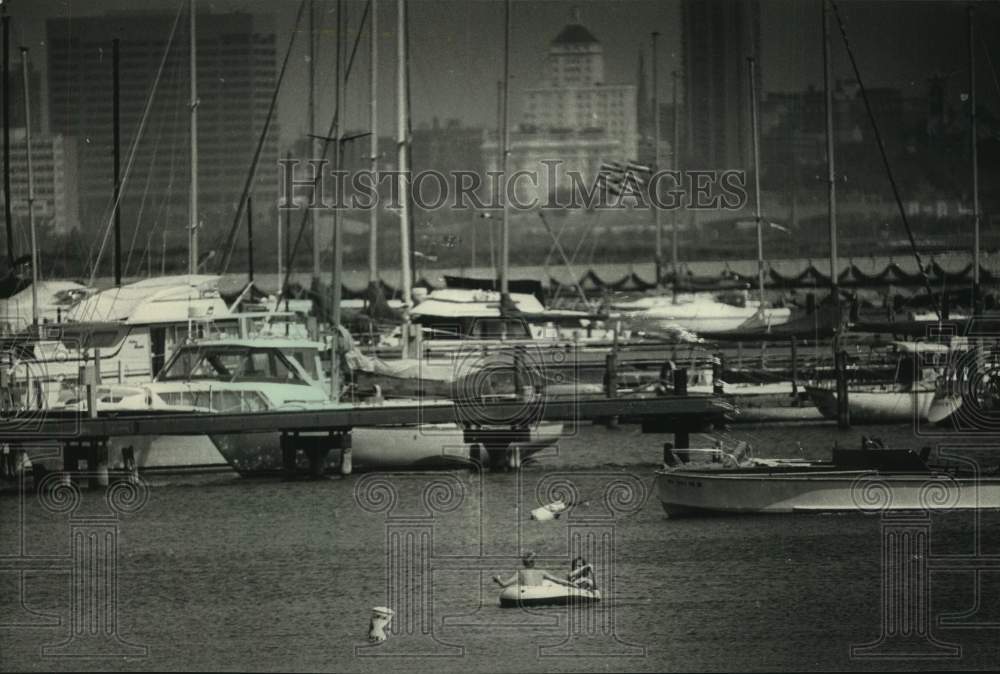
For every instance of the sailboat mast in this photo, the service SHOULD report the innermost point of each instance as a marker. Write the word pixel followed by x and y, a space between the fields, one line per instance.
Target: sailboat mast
pixel 755 138
pixel 658 220
pixel 193 224
pixel 675 153
pixel 505 158
pixel 831 178
pixel 31 187
pixel 373 143
pixel 975 161
pixel 8 213
pixel 313 141
pixel 403 159
pixel 116 136
pixel 336 285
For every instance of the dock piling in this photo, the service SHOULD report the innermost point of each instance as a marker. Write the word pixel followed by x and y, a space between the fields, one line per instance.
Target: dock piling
pixel 718 387
pixel 795 367
pixel 611 374
pixel 681 382
pixel 843 413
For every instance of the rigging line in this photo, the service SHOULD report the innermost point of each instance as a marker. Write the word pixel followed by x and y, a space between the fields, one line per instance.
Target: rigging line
pixel 135 145
pixel 882 152
pixel 334 121
pixel 163 213
pixel 230 241
pixel 142 202
pixel 989 60
pixel 145 195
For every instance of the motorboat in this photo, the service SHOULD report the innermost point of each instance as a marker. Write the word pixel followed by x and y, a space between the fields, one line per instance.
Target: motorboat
pixel 546 594
pixel 870 479
pixel 234 375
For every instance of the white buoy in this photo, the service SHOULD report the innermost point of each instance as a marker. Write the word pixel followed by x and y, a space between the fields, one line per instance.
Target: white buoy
pixel 514 459
pixel 549 511
pixel 346 461
pixel 102 473
pixel 381 617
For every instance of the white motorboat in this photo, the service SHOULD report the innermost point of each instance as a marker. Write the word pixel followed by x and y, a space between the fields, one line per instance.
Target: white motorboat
pixel 244 376
pixel 871 479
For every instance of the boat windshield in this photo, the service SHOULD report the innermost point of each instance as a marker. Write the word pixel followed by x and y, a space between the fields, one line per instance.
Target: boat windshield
pixel 230 364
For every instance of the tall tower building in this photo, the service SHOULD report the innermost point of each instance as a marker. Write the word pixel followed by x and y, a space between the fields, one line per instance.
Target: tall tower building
pixel 236 78
pixel 717 37
pixel 575 96
pixel 573 117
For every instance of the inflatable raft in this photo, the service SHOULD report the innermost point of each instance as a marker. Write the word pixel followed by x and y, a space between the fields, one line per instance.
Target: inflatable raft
pixel 546 594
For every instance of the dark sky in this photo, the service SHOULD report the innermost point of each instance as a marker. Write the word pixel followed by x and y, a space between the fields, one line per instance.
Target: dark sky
pixel 457 57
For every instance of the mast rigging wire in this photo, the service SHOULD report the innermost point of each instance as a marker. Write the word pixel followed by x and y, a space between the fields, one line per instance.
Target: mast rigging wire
pixel 135 144
pixel 884 155
pixel 230 242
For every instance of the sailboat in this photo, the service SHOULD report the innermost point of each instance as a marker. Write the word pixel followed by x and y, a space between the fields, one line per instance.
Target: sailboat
pixel 709 312
pixel 958 387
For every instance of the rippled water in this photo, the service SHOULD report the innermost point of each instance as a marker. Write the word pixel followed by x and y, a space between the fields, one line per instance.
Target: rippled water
pixel 224 573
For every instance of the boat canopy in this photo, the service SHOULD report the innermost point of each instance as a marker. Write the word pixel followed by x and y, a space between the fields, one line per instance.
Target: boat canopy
pixel 167 299
pixel 230 363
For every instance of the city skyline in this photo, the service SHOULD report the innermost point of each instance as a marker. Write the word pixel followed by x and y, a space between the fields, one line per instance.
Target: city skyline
pixel 923 39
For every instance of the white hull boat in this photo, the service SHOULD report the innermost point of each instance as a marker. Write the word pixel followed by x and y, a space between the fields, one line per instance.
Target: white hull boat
pixel 698 313
pixel 867 480
pixel 876 404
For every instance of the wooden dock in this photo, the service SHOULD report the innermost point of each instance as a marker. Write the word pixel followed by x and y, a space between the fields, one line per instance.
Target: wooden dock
pixel 667 411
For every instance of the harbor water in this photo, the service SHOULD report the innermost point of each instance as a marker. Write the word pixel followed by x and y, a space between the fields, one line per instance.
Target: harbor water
pixel 222 573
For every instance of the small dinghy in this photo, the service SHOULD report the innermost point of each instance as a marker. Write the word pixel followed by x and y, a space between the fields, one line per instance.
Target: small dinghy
pixel 546 594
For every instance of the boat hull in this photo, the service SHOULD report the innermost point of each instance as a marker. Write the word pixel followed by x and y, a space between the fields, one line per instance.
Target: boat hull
pixel 692 492
pixel 875 406
pixel 395 447
pixel 163 454
pixel 546 594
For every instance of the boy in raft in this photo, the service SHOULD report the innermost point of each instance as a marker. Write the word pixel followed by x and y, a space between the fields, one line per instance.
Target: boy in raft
pixel 529 575
pixel 581 574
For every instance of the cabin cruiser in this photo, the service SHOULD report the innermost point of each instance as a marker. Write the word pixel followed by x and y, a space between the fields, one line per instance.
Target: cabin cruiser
pixel 125 334
pixel 870 479
pixel 241 376
pixel 55 299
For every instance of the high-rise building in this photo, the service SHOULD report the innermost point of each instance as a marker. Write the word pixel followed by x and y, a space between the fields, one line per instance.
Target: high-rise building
pixel 53 164
pixel 717 37
pixel 575 96
pixel 15 84
pixel 236 72
pixel 574 117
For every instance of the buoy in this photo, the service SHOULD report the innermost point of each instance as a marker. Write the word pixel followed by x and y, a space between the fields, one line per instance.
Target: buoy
pixel 381 617
pixel 102 474
pixel 514 458
pixel 549 511
pixel 129 465
pixel 346 461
